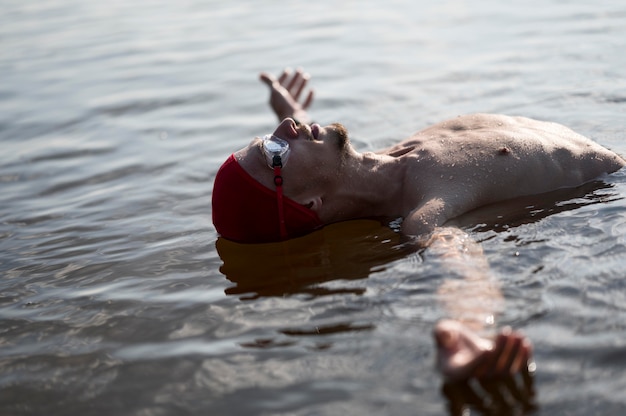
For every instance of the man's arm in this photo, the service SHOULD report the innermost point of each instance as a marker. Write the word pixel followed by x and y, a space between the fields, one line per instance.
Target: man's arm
pixel 470 293
pixel 285 94
pixel 471 297
pixel 425 218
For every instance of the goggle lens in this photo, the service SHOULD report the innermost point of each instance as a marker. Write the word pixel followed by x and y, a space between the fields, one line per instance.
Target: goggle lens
pixel 275 146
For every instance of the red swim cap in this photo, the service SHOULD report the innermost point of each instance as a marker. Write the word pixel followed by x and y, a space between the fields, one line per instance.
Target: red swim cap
pixel 245 211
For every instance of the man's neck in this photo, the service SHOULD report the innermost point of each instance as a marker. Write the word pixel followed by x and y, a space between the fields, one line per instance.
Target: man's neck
pixel 371 185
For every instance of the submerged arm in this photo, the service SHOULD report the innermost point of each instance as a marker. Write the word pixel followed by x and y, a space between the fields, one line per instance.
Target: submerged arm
pixel 470 294
pixel 471 298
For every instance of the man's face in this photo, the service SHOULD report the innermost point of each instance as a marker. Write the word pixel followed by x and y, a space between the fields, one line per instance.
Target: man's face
pixel 315 159
pixel 333 134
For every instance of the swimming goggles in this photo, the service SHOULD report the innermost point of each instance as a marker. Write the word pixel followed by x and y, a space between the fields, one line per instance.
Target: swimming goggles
pixel 276 151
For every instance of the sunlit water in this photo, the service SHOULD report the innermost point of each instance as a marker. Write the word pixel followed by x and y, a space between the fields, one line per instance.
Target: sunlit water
pixel 114 117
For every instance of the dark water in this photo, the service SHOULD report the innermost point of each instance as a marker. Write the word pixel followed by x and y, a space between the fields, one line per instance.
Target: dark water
pixel 114 117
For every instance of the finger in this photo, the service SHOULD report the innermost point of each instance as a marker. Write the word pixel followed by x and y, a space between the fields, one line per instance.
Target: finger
pixel 308 100
pixel 504 349
pixel 489 361
pixel 296 83
pixel 289 83
pixel 484 364
pixel 520 361
pixel 510 361
pixel 283 77
pixel 528 372
pixel 267 79
pixel 304 79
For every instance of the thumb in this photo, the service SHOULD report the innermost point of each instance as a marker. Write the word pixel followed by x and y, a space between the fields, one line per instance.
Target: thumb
pixel 267 79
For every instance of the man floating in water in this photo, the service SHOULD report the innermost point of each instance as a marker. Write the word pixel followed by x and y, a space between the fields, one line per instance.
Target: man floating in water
pixel 304 176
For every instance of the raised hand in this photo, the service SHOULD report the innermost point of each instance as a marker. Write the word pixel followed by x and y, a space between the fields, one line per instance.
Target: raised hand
pixel 285 93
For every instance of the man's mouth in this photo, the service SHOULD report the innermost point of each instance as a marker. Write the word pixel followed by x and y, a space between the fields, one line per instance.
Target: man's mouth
pixel 315 131
pixel 311 132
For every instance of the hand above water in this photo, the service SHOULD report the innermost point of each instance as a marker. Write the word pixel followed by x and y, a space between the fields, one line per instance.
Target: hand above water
pixel 489 375
pixel 285 93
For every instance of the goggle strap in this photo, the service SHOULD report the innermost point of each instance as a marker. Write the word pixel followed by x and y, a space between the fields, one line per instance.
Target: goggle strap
pixel 278 181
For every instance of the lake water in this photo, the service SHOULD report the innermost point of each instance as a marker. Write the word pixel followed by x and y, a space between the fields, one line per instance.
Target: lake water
pixel 114 118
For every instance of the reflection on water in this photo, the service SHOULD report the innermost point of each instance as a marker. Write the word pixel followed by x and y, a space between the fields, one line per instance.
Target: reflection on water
pixel 510 396
pixel 527 210
pixel 117 298
pixel 344 251
pixel 358 249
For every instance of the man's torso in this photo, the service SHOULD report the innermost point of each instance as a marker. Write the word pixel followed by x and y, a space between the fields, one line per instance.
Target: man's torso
pixel 478 159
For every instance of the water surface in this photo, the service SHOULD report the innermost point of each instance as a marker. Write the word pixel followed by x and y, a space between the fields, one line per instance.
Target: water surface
pixel 114 118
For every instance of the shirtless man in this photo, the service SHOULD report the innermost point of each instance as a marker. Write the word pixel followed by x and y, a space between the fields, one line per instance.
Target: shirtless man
pixel 304 176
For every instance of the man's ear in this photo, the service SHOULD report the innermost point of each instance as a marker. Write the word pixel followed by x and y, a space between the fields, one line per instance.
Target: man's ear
pixel 314 204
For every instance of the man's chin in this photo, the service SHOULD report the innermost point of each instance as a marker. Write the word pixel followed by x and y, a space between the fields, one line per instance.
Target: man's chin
pixel 341 135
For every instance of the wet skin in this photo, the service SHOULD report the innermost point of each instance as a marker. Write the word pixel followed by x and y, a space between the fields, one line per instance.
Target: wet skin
pixel 474 160
pixel 436 175
pixel 429 179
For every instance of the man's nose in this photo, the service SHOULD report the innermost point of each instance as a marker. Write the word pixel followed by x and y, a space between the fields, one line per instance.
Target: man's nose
pixel 286 129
